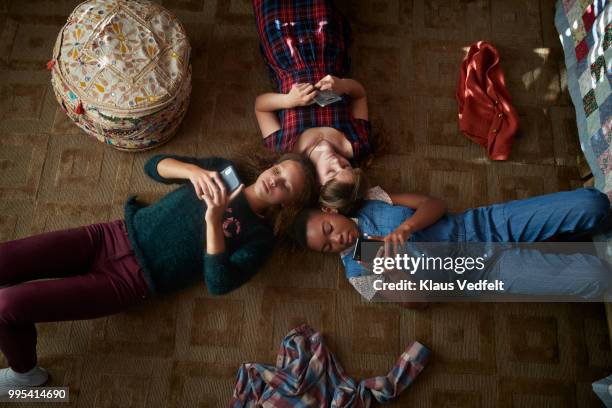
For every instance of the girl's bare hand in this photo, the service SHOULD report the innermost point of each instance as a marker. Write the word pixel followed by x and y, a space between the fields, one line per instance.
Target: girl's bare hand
pixel 205 181
pixel 301 95
pixel 216 203
pixel 330 83
pixel 397 239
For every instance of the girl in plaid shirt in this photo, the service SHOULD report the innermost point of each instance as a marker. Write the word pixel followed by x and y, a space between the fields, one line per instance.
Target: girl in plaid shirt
pixel 304 45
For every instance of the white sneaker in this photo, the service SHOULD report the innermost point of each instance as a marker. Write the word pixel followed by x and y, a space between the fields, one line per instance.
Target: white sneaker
pixel 10 379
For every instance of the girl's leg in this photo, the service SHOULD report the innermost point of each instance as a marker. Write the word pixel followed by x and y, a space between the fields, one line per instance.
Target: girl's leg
pixel 50 255
pixel 271 41
pixel 109 280
pixel 310 37
pixel 561 276
pixel 538 218
pixel 88 296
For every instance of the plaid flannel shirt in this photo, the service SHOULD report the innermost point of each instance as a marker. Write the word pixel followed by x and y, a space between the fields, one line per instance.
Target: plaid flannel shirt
pixel 308 375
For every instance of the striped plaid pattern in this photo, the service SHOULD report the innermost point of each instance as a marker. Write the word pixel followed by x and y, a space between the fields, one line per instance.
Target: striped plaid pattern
pixel 307 374
pixel 301 42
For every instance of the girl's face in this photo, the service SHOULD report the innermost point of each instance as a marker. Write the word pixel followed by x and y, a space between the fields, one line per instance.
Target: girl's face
pixel 281 184
pixel 329 232
pixel 332 165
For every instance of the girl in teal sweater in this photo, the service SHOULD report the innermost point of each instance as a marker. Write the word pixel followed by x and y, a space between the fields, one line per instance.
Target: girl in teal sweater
pixel 198 232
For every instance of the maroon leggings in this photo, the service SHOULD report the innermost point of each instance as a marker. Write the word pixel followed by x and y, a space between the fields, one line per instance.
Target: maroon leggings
pixel 88 272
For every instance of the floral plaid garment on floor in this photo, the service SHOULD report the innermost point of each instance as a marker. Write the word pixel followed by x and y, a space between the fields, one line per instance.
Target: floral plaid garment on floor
pixel 307 374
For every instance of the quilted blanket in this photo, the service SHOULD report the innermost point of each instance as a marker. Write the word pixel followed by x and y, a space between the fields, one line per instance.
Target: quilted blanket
pixel 585 31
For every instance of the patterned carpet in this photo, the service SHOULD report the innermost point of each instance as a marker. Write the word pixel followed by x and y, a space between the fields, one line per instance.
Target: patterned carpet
pixel 184 350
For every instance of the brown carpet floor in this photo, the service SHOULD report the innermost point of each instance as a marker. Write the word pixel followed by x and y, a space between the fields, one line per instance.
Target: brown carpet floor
pixel 183 351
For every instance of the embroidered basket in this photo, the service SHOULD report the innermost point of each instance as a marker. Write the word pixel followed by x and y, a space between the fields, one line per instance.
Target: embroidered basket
pixel 121 72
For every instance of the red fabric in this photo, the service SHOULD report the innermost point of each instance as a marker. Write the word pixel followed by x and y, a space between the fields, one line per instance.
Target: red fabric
pixel 79 109
pixel 588 18
pixel 486 115
pixel 582 49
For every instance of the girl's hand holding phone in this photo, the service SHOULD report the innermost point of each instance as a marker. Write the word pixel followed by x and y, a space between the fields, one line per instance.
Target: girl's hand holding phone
pixel 330 83
pixel 205 181
pixel 217 200
pixel 397 238
pixel 301 95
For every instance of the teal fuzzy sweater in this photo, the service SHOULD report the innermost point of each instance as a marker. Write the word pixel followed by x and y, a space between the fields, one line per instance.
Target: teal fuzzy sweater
pixel 169 236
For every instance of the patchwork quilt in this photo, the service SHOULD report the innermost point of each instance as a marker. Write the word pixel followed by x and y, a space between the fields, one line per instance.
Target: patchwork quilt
pixel 585 31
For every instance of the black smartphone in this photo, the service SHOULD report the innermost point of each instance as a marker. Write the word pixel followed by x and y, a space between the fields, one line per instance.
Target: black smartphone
pixel 230 179
pixel 366 249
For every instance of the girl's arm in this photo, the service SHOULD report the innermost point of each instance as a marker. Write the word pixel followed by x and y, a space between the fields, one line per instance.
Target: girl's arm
pixel 350 87
pixel 428 210
pixel 215 238
pixel 216 203
pixel 204 181
pixel 267 120
pixel 224 272
pixel 271 102
pixel 171 168
pixel 267 104
pixel 173 162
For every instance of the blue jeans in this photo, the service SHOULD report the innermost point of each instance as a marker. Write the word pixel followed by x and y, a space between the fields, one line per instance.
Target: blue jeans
pixel 540 273
pixel 528 220
pixel 533 272
pixel 537 218
pixel 540 218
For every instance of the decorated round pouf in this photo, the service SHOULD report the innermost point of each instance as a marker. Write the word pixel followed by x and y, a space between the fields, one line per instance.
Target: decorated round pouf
pixel 121 72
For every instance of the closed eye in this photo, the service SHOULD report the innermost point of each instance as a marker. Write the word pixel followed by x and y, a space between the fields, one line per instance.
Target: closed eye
pixel 326 229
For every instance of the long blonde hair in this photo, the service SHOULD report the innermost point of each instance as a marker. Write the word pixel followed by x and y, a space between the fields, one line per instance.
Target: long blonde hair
pixel 344 197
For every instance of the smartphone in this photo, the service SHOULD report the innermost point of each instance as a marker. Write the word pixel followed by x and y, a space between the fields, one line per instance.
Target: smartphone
pixel 324 98
pixel 367 249
pixel 230 179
